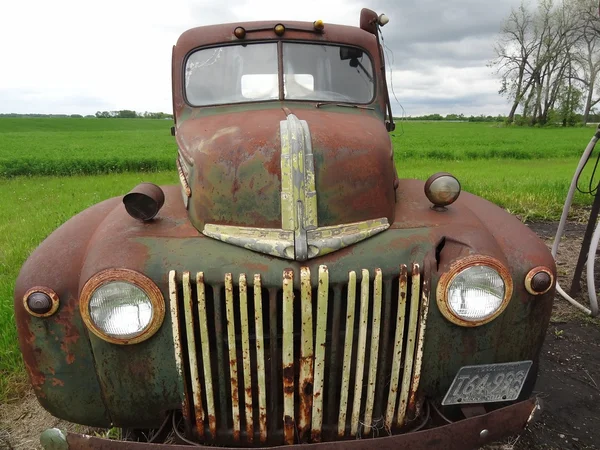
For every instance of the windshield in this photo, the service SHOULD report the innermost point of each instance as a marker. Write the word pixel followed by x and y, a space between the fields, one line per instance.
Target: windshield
pixel 249 72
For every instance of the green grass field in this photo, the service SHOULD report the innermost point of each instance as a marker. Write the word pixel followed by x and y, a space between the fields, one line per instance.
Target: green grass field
pixel 526 171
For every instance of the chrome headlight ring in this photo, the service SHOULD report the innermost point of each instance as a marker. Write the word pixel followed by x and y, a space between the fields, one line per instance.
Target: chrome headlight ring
pixel 107 315
pixel 486 266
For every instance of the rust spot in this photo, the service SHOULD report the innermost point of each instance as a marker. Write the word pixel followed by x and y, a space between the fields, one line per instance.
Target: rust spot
pixel 212 425
pixel 288 374
pixel 307 389
pixel 289 422
pixel 57 382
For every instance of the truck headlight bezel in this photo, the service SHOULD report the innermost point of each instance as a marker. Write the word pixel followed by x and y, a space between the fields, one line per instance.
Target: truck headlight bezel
pixel 136 279
pixel 459 266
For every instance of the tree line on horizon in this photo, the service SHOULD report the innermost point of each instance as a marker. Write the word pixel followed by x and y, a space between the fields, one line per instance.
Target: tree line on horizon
pixel 121 114
pixel 548 58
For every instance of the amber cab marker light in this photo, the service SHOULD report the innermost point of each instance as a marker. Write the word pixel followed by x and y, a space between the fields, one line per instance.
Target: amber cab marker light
pixel 239 33
pixel 319 25
pixel 279 29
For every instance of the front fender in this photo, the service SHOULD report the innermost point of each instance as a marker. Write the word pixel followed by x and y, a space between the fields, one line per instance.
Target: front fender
pixel 56 351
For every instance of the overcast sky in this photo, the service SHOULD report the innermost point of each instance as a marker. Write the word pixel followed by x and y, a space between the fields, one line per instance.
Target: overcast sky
pixel 81 56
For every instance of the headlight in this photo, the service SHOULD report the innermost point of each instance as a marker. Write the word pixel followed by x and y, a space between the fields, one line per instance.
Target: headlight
pixel 122 306
pixel 474 291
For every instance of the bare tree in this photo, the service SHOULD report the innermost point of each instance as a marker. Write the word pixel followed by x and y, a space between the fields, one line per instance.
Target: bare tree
pixel 513 51
pixel 587 54
pixel 535 57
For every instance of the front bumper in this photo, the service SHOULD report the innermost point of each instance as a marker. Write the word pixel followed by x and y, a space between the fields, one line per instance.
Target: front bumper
pixel 465 434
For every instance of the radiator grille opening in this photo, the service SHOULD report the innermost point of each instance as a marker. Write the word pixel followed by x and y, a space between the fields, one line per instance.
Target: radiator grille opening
pixel 336 387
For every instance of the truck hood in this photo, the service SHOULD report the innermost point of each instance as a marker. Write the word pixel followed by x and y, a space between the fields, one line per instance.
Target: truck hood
pixel 291 184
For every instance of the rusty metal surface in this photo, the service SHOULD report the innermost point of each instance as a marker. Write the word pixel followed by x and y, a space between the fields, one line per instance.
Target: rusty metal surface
pixel 171 242
pixel 246 371
pixel 206 357
pixel 233 362
pixel 260 359
pixel 361 350
pixel 188 307
pixel 374 352
pixel 411 338
pixel 144 201
pixel 306 380
pixel 461 435
pixel 223 34
pixel 319 365
pixel 289 418
pixel 345 382
pixel 253 162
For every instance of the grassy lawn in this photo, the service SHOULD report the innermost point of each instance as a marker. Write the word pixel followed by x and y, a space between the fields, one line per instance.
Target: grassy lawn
pixel 526 171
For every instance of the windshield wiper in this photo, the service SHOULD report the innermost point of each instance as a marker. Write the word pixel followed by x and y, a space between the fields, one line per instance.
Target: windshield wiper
pixel 345 105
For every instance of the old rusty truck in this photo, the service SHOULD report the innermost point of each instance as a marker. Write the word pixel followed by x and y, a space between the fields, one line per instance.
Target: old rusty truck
pixel 291 290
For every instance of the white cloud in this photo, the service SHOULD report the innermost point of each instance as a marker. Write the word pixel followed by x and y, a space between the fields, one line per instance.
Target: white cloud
pixel 73 56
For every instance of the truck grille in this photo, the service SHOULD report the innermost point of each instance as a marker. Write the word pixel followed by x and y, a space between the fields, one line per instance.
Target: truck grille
pixel 281 365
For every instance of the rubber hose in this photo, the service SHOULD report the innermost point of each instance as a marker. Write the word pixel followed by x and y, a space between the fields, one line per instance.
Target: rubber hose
pixel 596 237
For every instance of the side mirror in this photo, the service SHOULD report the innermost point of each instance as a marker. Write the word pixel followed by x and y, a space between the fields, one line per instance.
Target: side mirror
pixel 350 53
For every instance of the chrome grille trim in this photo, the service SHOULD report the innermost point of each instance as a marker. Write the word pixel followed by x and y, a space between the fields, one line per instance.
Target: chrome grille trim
pixel 299 377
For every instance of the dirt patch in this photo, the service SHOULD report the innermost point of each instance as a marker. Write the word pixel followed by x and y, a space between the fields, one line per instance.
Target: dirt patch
pixel 22 423
pixel 569 376
pixel 568 382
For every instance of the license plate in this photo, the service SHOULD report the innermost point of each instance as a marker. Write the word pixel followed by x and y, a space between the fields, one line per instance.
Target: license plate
pixel 488 383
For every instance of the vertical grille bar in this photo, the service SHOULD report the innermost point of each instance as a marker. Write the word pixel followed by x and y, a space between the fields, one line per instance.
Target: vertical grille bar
pixel 410 344
pixel 397 355
pixel 384 363
pixel 177 346
pixel 191 344
pixel 274 375
pixel 360 357
pixel 289 423
pixel 334 368
pixel 404 362
pixel 416 377
pixel 221 361
pixel 375 328
pixel 233 363
pixel 260 359
pixel 246 357
pixel 347 353
pixel 323 294
pixel 306 355
pixel 205 344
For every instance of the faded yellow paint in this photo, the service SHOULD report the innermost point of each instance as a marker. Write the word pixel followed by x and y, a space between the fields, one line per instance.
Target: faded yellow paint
pixel 375 329
pixel 318 394
pixel 345 386
pixel 410 344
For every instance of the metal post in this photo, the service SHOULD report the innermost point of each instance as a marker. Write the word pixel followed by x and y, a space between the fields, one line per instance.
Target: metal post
pixel 585 245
